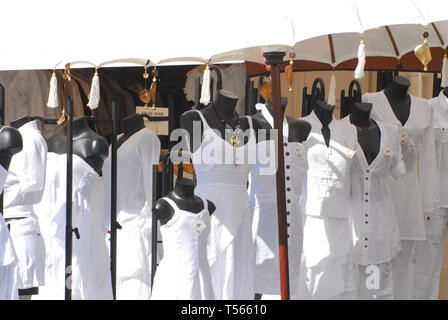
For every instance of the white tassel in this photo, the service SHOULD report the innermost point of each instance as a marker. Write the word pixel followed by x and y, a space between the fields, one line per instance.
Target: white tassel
pixel 205 91
pixel 94 96
pixel 444 82
pixel 259 106
pixel 359 71
pixel 332 91
pixel 53 101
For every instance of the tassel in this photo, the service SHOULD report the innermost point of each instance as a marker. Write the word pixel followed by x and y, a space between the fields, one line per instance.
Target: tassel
pixel 53 101
pixel 94 96
pixel 152 92
pixel 205 91
pixel 444 82
pixel 332 91
pixel 359 71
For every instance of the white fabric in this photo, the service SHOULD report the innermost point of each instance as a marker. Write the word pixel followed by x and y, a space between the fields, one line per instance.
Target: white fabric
pixel 375 230
pixel 430 251
pixel 94 96
pixel 440 125
pixel 417 191
pixel 205 89
pixel 429 255
pixel 135 160
pixel 24 188
pixel 403 270
pixel 327 271
pixel 359 71
pixel 263 204
pixel 230 248
pixel 10 281
pixel 184 273
pixel 91 277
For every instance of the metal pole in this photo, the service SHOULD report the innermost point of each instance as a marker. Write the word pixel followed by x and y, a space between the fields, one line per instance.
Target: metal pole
pixel 154 225
pixel 68 227
pixel 113 213
pixel 274 59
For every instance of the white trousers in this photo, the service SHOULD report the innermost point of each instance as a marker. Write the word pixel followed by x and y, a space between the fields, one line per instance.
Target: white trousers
pixel 403 269
pixel 429 255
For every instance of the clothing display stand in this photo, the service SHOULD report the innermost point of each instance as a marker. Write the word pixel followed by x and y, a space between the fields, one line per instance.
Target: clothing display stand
pixel 353 96
pixel 155 171
pixel 68 203
pixel 114 225
pixel 308 100
pixel 275 59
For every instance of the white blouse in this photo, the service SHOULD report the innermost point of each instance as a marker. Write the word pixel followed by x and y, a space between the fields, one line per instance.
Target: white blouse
pixel 26 179
pixel 417 191
pixel 9 278
pixel 375 231
pixel 440 124
pixel 326 191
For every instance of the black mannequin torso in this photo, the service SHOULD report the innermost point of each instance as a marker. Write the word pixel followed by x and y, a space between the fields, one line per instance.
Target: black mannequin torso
pixel 369 134
pixel 132 124
pixel 88 145
pixel 298 129
pixel 324 112
pixel 445 92
pixel 10 143
pixel 183 196
pixel 225 103
pixel 399 99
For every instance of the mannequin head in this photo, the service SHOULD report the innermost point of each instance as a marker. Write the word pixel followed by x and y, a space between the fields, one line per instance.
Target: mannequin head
pixel 225 101
pixel 398 87
pixel 361 113
pixel 324 112
pixel 10 143
pixel 133 123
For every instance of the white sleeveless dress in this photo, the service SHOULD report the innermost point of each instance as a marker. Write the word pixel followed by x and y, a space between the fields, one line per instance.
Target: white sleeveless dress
pixel 263 204
pixel 230 247
pixel 183 272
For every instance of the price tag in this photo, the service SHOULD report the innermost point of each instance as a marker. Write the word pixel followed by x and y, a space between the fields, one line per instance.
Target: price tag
pixel 198 226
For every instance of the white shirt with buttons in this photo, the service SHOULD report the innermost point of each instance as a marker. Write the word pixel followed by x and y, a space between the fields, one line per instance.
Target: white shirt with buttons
pixel 376 234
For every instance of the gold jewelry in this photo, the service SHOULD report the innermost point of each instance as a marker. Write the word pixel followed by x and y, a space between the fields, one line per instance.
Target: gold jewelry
pixel 144 95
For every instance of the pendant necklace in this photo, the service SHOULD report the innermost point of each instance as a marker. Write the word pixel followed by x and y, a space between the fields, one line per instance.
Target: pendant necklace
pixel 232 124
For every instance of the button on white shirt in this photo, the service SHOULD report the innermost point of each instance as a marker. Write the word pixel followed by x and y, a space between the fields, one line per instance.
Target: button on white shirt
pixel 417 191
pixel 376 235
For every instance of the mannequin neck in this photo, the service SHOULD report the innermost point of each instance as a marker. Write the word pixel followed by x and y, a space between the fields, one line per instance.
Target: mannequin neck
pixel 133 124
pixel 398 88
pixel 184 188
pixel 20 122
pixel 284 102
pixel 225 104
pixel 324 112
pixel 361 114
pixel 80 126
pixel 445 92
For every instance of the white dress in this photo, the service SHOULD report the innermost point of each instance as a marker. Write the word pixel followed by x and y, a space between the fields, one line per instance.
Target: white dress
pixel 417 191
pixel 263 204
pixel 184 273
pixel 375 230
pixel 327 272
pixel 9 275
pixel 222 173
pixel 24 188
pixel 430 252
pixel 135 160
pixel 91 278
